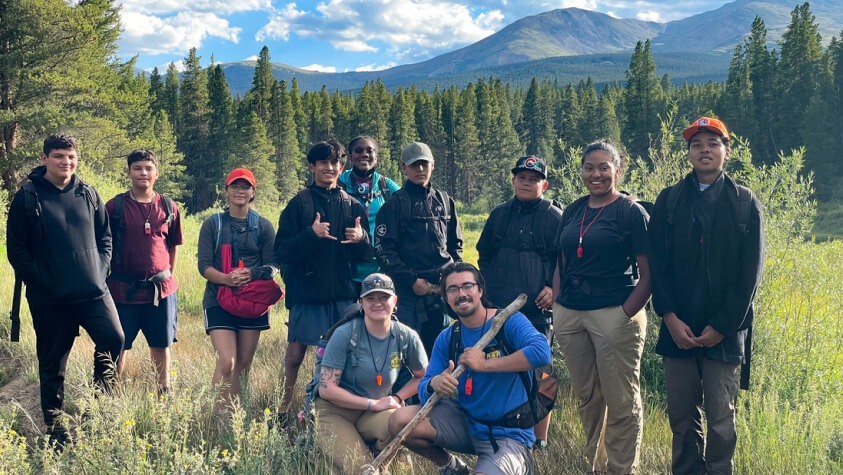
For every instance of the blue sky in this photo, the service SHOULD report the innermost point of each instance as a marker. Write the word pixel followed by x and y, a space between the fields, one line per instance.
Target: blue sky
pixel 342 35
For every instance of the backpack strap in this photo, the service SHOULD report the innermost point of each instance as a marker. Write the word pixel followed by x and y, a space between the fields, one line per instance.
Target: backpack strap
pixel 118 227
pixel 33 208
pixel 673 200
pixel 744 208
pixel 306 198
pixel 383 187
pixel 169 208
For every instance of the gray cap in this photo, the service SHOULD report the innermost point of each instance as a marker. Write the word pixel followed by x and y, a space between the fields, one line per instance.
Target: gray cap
pixel 377 283
pixel 416 151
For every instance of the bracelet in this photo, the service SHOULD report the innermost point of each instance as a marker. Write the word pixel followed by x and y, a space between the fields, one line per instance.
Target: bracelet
pixel 369 404
pixel 400 399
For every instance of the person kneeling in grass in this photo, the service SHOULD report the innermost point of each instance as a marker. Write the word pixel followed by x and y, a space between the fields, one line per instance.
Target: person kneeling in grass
pixel 361 363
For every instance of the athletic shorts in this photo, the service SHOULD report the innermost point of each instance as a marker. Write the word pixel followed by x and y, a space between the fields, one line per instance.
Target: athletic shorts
pixel 158 324
pixel 452 433
pixel 218 319
pixel 308 321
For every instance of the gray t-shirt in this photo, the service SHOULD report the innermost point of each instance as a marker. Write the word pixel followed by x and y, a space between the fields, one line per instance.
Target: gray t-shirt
pixel 360 367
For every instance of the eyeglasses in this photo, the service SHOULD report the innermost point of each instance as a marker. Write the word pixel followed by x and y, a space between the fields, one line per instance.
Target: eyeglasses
pixel 455 289
pixel 239 187
pixel 369 150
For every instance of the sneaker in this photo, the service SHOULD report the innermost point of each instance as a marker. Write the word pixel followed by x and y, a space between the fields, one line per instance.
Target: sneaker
pixel 455 467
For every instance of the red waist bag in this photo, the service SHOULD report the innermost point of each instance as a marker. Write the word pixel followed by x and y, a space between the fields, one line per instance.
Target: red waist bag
pixel 251 300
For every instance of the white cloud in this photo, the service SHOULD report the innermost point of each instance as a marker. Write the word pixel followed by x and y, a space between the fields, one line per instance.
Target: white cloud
pixel 280 23
pixel 354 45
pixel 375 67
pixel 219 7
pixel 397 26
pixel 149 34
pixel 648 16
pixel 253 57
pixel 319 68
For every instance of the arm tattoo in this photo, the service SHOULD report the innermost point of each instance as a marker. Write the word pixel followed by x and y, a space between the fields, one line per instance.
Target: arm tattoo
pixel 329 374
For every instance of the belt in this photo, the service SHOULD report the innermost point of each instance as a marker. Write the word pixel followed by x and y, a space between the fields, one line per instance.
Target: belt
pixel 155 282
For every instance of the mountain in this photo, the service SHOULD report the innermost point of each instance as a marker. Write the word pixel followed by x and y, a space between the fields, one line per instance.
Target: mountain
pixel 564 32
pixel 722 29
pixel 571 44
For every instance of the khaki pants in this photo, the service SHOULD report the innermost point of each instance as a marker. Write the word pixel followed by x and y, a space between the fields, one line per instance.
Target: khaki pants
pixel 693 384
pixel 344 435
pixel 603 351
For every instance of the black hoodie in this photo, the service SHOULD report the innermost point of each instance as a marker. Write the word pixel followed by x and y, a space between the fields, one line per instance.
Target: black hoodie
pixel 64 254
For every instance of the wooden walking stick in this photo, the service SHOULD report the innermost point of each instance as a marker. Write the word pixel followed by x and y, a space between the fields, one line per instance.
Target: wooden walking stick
pixel 385 457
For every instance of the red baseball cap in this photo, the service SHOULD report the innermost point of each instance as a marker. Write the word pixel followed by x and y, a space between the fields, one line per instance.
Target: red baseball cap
pixel 241 174
pixel 706 124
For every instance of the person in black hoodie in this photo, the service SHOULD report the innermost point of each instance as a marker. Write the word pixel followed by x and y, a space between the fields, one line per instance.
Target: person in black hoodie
pixel 321 237
pixel 707 253
pixel 416 236
pixel 518 249
pixel 59 244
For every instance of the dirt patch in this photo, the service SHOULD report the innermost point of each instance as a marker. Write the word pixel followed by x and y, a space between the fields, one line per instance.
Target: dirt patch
pixel 26 398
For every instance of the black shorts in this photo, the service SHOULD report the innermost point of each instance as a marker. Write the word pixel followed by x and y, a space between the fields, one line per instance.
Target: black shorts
pixel 218 319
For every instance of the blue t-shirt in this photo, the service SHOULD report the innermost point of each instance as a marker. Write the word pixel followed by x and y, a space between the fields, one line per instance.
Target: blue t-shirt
pixel 493 394
pixel 360 368
pixel 369 195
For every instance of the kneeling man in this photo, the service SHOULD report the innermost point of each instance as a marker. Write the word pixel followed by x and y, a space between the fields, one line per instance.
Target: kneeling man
pixel 485 393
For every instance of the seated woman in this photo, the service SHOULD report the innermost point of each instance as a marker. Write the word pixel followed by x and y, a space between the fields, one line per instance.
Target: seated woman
pixel 359 367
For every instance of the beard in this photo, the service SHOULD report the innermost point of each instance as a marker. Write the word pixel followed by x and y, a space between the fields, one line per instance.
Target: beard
pixel 464 311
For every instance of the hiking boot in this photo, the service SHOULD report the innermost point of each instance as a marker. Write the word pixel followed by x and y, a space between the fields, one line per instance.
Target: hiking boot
pixel 455 467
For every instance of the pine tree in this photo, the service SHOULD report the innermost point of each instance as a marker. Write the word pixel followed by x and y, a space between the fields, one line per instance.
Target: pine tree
pixel 169 97
pixel 299 116
pixel 156 90
pixel 252 149
pixel 467 146
pixel 642 101
pixel 801 53
pixel 537 131
pixel 609 128
pixel 193 134
pixel 289 160
pixel 763 68
pixel 259 96
pixel 591 115
pixel 55 69
pixel 402 127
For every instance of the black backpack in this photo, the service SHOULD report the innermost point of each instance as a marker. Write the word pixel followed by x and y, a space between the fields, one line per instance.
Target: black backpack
pixel 500 225
pixel 118 224
pixel 540 401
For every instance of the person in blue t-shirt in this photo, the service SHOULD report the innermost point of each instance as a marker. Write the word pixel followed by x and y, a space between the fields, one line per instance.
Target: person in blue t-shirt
pixel 368 187
pixel 489 389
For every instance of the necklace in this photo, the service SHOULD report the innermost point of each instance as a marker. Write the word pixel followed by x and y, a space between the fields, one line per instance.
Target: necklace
pixel 147 229
pixel 469 382
pixel 379 377
pixel 582 223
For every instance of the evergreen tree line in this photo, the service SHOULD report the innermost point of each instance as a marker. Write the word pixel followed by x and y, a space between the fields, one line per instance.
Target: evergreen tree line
pixel 778 99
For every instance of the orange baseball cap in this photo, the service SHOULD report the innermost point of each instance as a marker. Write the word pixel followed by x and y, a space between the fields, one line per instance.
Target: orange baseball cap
pixel 706 124
pixel 241 174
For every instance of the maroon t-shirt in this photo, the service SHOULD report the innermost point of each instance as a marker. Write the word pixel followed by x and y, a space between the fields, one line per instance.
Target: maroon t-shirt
pixel 144 255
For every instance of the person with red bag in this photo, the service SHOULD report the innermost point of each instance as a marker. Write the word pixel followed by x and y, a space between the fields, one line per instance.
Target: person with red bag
pixel 235 254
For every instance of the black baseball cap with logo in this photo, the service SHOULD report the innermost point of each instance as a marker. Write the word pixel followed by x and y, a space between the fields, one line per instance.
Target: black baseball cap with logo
pixel 532 163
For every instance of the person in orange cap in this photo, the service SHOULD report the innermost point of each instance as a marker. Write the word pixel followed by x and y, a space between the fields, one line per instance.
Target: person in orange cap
pixel 707 238
pixel 251 237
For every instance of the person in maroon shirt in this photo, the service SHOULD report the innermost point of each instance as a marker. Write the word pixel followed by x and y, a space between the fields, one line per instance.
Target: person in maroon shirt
pixel 147 228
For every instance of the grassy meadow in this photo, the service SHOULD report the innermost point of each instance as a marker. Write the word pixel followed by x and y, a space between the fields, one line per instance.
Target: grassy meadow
pixel 789 422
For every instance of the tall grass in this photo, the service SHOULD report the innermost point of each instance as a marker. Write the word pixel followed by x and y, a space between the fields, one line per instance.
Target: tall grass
pixel 790 421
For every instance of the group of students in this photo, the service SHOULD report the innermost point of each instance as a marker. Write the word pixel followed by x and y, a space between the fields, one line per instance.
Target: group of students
pixel 354 235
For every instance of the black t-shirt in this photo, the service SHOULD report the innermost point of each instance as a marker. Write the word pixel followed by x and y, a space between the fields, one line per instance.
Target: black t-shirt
pixel 602 277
